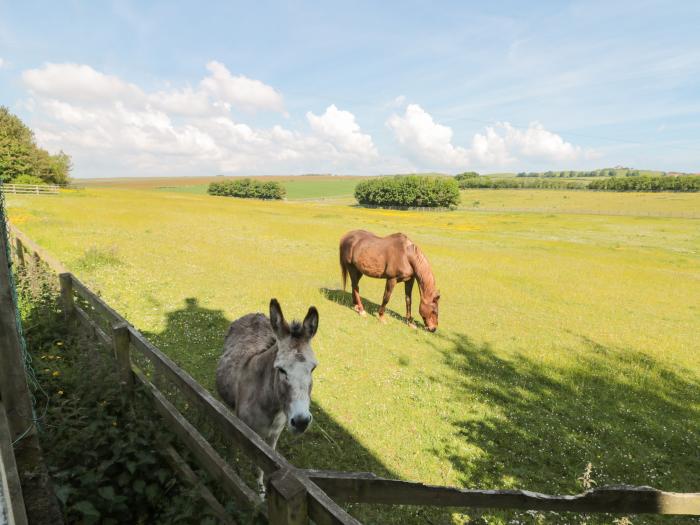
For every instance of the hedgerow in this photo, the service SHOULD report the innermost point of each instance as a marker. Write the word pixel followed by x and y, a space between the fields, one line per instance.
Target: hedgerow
pixel 686 183
pixel 508 183
pixel 408 191
pixel 247 189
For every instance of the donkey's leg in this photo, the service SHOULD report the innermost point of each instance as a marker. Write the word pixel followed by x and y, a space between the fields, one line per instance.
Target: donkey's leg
pixel 356 299
pixel 272 441
pixel 409 291
pixel 390 283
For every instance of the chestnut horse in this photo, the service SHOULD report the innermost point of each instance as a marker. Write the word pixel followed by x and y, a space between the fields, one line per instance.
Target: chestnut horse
pixel 396 259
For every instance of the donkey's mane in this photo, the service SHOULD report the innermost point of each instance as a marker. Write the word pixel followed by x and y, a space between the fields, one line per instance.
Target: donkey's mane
pixel 296 329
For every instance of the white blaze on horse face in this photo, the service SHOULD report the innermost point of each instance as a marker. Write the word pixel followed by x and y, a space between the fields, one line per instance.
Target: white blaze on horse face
pixel 295 368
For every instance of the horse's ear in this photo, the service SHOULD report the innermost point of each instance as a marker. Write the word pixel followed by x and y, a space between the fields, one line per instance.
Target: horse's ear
pixel 279 325
pixel 310 323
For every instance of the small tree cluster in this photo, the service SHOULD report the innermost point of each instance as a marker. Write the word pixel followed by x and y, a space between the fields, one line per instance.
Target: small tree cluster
pixel 685 183
pixel 22 161
pixel 466 175
pixel 408 191
pixel 581 174
pixel 247 189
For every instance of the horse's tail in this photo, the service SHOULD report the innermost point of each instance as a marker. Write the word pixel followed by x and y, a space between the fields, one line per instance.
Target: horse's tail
pixel 343 268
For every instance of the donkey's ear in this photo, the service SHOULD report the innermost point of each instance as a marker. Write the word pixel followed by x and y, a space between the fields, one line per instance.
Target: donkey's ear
pixel 310 323
pixel 279 325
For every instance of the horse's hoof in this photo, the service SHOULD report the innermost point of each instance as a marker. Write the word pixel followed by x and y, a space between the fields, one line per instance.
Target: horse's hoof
pixel 382 319
pixel 413 325
pixel 360 311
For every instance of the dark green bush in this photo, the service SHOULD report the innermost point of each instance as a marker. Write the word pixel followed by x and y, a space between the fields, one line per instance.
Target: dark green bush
pixel 685 183
pixel 247 189
pixel 408 191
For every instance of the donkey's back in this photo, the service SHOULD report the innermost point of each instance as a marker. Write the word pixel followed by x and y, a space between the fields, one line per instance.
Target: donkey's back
pixel 246 337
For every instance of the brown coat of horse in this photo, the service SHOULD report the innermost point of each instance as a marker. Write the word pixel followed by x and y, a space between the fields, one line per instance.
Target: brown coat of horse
pixel 396 259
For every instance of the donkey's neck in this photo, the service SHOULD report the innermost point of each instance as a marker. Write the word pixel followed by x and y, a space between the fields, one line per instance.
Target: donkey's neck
pixel 423 272
pixel 268 396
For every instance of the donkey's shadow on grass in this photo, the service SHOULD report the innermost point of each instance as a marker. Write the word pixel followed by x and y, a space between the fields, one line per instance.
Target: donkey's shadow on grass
pixel 344 298
pixel 517 422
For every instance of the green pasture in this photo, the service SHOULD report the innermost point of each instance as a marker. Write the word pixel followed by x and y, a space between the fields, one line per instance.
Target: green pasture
pixel 564 338
pixel 304 188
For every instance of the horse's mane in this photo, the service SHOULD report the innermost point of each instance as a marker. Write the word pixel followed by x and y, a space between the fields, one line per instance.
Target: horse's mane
pixel 424 273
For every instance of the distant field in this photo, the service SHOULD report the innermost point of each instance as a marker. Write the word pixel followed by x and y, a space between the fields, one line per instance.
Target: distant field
pixel 564 339
pixel 546 201
pixel 298 187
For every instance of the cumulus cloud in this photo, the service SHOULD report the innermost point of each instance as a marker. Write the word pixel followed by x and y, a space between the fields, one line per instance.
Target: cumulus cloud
pixel 500 145
pixel 108 123
pixel 239 90
pixel 340 129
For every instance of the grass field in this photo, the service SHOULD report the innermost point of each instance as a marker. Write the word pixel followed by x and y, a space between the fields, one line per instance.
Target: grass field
pixel 564 339
pixel 299 187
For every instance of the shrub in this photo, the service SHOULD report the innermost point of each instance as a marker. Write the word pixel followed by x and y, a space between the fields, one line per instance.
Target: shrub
pixel 102 450
pixel 408 191
pixel 247 189
pixel 466 175
pixel 28 179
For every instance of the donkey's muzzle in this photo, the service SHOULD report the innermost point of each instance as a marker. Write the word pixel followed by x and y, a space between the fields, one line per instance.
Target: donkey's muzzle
pixel 300 423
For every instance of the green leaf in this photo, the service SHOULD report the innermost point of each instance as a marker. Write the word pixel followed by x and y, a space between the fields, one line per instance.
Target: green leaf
pixel 107 493
pixel 86 509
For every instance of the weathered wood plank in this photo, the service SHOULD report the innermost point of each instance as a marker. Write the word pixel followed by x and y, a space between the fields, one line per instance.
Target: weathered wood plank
pixel 363 487
pixel 187 474
pixel 259 452
pixel 92 326
pixel 67 301
pixel 287 502
pixel 120 343
pixel 32 247
pixel 103 309
pixel 205 454
pixel 9 477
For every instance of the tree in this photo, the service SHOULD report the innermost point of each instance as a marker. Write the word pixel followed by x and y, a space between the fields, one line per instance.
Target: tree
pixel 21 157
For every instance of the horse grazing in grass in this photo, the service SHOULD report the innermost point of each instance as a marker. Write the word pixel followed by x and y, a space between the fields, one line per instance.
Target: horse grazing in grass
pixel 396 259
pixel 265 372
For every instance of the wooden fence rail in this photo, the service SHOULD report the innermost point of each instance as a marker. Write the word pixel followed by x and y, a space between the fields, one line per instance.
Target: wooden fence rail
pixel 297 495
pixel 30 189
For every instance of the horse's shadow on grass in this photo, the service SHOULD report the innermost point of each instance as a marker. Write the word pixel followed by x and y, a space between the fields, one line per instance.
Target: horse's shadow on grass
pixel 344 298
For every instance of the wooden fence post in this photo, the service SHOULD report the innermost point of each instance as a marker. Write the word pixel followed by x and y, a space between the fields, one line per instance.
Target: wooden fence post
pixel 19 251
pixel 120 339
pixel 66 281
pixel 287 502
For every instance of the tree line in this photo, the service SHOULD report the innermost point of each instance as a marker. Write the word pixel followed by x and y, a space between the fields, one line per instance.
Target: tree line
pixel 247 189
pixel 22 161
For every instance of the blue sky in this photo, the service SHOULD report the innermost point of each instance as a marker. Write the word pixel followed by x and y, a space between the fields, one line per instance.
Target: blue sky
pixel 173 88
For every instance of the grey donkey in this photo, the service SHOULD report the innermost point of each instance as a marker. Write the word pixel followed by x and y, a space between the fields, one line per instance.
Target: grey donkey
pixel 265 373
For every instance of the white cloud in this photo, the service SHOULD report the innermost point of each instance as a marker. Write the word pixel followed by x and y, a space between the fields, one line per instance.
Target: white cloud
pixel 499 145
pixel 113 127
pixel 423 138
pixel 79 83
pixel 339 128
pixel 240 91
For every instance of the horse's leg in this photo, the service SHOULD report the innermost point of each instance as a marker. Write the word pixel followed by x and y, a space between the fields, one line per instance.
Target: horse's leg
pixel 356 299
pixel 409 291
pixel 390 283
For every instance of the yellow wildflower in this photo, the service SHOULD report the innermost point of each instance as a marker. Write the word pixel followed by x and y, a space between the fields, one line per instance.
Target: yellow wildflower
pixel 55 373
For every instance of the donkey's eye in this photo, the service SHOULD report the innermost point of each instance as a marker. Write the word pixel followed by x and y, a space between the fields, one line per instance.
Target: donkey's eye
pixel 314 368
pixel 282 371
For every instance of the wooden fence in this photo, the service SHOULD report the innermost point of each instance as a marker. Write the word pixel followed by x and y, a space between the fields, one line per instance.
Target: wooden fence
pixel 30 189
pixel 296 495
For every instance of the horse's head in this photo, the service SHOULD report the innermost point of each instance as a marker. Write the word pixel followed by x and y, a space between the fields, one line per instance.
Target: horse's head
pixel 294 364
pixel 429 311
